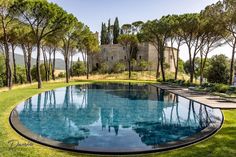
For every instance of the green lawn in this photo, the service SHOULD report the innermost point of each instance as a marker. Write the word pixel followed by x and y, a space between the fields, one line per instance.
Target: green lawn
pixel 221 144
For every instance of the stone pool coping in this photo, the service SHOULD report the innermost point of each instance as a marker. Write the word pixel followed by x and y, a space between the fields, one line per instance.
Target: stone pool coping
pixel 199 97
pixel 203 134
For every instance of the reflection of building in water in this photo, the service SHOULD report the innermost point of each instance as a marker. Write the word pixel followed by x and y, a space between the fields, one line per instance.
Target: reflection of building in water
pixel 116 113
pixel 112 107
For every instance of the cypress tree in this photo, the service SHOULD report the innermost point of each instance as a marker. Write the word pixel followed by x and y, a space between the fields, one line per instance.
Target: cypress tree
pixel 105 33
pixel 116 31
pixel 102 35
pixel 108 31
pixel 109 25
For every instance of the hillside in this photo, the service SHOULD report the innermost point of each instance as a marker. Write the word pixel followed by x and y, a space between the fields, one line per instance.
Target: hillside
pixel 60 65
pixel 59 62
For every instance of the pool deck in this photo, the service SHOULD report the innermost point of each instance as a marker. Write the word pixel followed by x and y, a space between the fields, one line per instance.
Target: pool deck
pixel 200 97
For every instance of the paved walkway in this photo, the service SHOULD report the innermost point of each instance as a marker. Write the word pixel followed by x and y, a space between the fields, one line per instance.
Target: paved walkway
pixel 200 97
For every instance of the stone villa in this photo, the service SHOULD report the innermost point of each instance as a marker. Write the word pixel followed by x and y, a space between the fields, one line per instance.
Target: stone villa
pixel 113 53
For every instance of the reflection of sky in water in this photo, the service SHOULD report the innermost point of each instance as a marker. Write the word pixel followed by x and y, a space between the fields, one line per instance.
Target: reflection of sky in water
pixel 114 116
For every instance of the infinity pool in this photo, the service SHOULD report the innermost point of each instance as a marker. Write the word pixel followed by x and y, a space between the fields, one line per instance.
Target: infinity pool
pixel 114 118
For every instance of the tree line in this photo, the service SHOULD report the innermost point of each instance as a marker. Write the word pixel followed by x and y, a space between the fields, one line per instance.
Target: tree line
pixel 200 32
pixel 45 28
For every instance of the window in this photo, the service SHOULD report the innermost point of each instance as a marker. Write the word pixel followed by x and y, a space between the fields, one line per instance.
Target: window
pixel 140 57
pixel 111 57
pixel 125 57
pixel 171 57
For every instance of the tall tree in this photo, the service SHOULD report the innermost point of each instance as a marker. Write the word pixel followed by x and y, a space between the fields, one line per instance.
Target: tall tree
pixel 104 34
pixel 137 26
pixel 6 20
pixel 69 41
pixel 176 41
pixel 53 45
pixel 44 49
pixel 116 31
pixel 13 39
pixel 212 38
pixel 193 35
pixel 126 28
pixel 88 45
pixel 26 42
pixel 157 33
pixel 129 42
pixel 109 32
pixel 44 19
pixel 147 35
pixel 92 48
pixel 223 14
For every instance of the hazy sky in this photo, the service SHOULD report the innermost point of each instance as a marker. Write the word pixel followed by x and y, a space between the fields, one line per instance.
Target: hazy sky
pixel 94 12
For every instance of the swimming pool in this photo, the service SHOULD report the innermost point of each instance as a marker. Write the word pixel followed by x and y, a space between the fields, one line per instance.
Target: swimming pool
pixel 110 118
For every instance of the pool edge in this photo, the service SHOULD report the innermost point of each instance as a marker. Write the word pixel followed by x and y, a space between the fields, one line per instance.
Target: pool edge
pixel 166 148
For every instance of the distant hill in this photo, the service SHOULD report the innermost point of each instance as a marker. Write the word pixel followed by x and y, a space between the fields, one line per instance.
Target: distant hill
pixel 60 65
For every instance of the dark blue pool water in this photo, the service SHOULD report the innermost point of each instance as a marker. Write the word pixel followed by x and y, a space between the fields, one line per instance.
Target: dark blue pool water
pixel 114 116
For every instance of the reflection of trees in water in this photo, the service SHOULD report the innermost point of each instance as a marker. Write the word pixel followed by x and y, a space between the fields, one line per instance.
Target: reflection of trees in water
pixel 130 91
pixel 124 115
pixel 50 119
pixel 167 131
pixel 153 121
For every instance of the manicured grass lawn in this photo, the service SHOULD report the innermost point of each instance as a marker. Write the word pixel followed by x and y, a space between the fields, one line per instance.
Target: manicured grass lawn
pixel 222 144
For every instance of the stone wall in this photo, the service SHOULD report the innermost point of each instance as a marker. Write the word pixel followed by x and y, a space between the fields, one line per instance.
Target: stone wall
pixel 111 54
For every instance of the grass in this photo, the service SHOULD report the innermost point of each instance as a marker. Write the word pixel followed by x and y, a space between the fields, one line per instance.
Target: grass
pixel 221 144
pixel 136 75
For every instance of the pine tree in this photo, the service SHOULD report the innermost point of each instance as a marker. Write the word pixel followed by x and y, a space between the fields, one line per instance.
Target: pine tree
pixel 116 31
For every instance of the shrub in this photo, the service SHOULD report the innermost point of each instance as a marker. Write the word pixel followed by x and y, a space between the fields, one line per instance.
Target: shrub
pixel 2 71
pixel 20 74
pixel 181 65
pixel 218 71
pixel 104 68
pixel 78 69
pixel 189 84
pixel 166 66
pixel 143 65
pixel 232 90
pixel 42 72
pixel 61 75
pixel 170 80
pixel 119 67
pixel 187 67
pixel 133 63
pixel 180 82
pixel 221 88
pixel 207 85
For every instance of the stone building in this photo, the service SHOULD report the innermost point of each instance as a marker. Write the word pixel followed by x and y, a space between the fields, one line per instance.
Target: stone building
pixel 111 54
